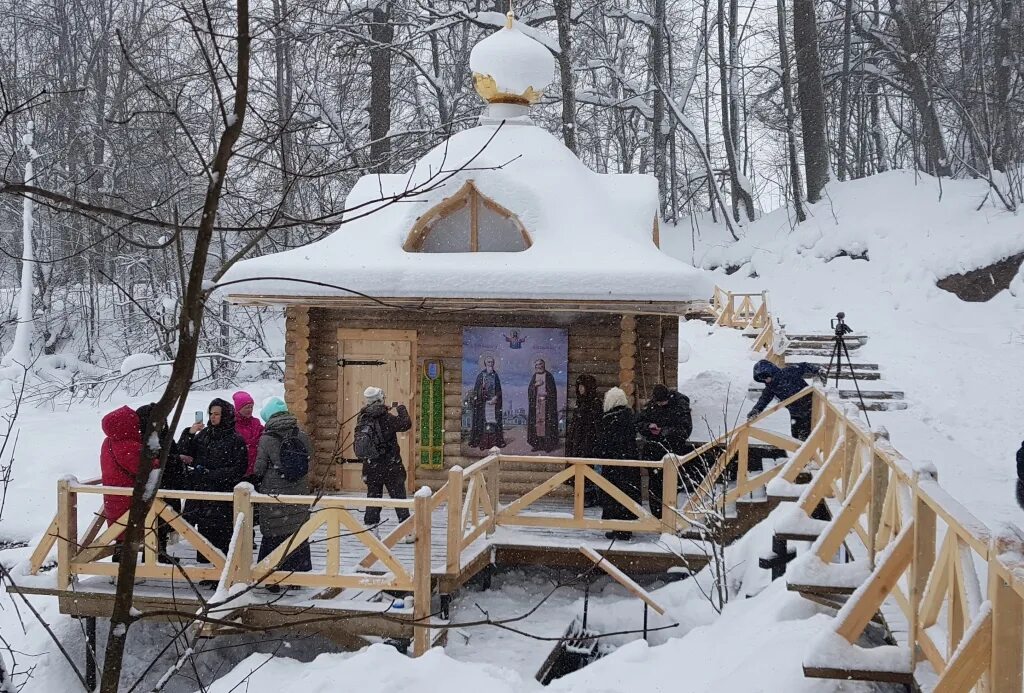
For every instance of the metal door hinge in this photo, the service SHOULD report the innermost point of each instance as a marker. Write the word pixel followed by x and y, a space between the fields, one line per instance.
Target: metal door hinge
pixel 351 362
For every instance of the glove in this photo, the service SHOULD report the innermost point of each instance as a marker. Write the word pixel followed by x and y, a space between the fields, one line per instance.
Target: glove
pixel 200 469
pixel 752 413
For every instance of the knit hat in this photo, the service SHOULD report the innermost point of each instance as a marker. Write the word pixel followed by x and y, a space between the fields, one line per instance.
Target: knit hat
pixel 659 393
pixel 241 399
pixel 274 405
pixel 615 397
pixel 373 394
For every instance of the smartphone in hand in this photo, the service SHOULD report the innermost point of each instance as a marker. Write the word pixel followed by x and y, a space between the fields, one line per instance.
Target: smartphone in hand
pixel 394 405
pixel 199 417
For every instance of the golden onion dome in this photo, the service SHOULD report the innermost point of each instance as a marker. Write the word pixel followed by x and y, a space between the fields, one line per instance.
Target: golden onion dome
pixel 510 67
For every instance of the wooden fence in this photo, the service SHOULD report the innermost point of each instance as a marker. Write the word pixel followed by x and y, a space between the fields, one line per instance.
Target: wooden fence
pixel 750 311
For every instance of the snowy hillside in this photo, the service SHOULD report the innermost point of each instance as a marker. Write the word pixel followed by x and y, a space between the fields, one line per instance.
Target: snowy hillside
pixel 959 363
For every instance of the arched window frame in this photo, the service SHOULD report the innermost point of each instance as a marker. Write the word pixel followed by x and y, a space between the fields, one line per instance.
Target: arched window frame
pixel 470 195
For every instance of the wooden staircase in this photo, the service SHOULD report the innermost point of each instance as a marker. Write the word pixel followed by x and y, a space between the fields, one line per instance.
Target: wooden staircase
pixel 818 348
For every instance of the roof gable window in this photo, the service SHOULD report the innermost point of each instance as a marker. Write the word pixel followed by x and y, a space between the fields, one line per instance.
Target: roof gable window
pixel 468 222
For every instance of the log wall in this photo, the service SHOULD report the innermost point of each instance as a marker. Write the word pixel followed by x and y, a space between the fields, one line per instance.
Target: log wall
pixel 598 345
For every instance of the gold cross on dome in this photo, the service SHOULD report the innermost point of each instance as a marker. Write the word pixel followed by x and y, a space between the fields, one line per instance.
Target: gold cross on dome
pixel 510 16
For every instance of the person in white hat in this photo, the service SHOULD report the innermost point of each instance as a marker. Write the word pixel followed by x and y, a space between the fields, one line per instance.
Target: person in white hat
pixel 376 444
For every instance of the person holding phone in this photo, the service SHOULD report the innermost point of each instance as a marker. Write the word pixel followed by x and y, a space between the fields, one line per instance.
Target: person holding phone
pixel 376 444
pixel 218 461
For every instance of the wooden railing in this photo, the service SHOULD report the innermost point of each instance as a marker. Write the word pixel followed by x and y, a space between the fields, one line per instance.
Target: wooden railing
pixel 750 311
pixel 959 588
pixel 84 554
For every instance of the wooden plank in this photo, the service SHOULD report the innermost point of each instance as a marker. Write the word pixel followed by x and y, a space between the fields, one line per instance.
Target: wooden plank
pixel 882 581
pixel 46 543
pixel 970 660
pixel 421 575
pixel 525 501
pixel 455 520
pixel 621 578
pixel 67 531
pixel 1007 660
pixel 617 494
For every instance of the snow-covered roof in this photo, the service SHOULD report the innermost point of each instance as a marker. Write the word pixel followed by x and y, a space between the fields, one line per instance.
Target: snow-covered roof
pixel 591 233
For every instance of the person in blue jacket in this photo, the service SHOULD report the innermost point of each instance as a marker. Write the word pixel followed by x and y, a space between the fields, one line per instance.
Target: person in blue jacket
pixel 784 383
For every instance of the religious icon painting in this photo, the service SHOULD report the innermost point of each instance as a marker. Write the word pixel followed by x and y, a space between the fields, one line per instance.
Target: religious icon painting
pixel 514 390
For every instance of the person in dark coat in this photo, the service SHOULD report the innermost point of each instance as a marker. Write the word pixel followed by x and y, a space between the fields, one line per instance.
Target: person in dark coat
pixel 542 409
pixel 173 475
pixel 581 433
pixel 783 383
pixel 1020 476
pixel 664 425
pixel 278 522
pixel 487 428
pixel 219 460
pixel 387 470
pixel 616 440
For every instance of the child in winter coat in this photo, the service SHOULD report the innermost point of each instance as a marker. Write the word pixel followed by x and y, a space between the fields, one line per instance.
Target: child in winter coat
pixel 247 426
pixel 119 463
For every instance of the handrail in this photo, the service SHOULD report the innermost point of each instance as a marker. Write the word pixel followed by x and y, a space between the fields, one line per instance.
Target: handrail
pixel 743 311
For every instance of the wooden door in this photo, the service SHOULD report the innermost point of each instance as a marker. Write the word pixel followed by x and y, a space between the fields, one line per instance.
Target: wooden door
pixel 379 358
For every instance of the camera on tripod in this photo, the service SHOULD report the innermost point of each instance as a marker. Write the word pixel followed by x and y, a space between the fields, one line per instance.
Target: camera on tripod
pixel 839 325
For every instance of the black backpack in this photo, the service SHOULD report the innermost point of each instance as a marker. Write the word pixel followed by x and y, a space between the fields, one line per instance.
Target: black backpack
pixel 369 443
pixel 294 459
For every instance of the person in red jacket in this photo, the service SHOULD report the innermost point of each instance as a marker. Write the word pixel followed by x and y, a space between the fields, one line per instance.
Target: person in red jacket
pixel 119 461
pixel 247 426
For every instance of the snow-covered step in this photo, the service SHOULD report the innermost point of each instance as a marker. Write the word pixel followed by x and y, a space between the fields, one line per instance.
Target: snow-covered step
pixel 845 392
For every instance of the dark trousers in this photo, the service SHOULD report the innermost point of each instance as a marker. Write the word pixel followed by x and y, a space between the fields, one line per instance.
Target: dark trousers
pixel 218 532
pixel 627 480
pixel 299 560
pixel 800 421
pixel 654 483
pixel 378 476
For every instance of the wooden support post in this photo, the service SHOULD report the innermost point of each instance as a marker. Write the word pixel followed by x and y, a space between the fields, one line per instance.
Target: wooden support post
pixel 90 652
pixel 669 492
pixel 627 363
pixel 921 564
pixel 241 565
pixel 879 488
pixel 67 532
pixel 333 541
pixel 150 538
pixel 421 570
pixel 453 550
pixel 1006 671
pixel 494 488
pixel 579 483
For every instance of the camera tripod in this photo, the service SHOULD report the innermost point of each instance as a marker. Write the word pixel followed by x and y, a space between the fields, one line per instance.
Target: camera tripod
pixel 839 349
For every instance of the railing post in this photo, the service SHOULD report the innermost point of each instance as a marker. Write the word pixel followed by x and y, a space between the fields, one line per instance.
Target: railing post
pixel 241 566
pixel 67 531
pixel 453 550
pixel 879 489
pixel 421 568
pixel 669 491
pixel 921 563
pixel 1006 668
pixel 494 486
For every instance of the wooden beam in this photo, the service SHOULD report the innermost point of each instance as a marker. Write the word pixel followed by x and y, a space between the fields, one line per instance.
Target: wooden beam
pixel 882 581
pixel 421 575
pixel 621 578
pixel 970 660
pixel 453 549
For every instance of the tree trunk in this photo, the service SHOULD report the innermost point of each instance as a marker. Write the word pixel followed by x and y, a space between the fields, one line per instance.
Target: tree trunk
pixel 179 382
pixel 657 48
pixel 844 91
pixel 382 33
pixel 739 192
pixel 787 100
pixel 1004 134
pixel 563 17
pixel 811 96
